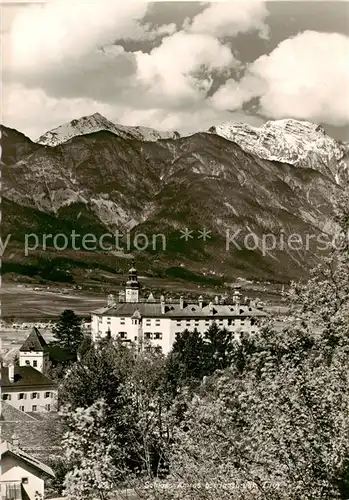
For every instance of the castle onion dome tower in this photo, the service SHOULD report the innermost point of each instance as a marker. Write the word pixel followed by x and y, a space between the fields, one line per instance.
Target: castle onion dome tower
pixel 132 285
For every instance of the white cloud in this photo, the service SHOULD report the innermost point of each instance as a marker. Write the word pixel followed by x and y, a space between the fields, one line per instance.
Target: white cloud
pixel 233 94
pixel 305 77
pixel 44 35
pixel 32 112
pixel 170 71
pixel 21 104
pixel 199 118
pixel 61 62
pixel 230 18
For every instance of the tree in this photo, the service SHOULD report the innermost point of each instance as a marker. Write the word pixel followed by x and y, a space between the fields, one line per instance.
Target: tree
pixel 67 331
pixel 134 412
pixel 94 453
pixel 277 427
pixel 195 355
pixel 185 362
pixel 282 436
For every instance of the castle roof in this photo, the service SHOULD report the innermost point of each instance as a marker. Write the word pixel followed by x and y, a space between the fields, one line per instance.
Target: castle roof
pixel 35 342
pixel 24 376
pixel 189 310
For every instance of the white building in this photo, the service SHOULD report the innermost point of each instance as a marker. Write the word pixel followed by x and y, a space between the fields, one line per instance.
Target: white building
pixel 139 321
pixel 24 386
pixel 34 351
pixel 22 476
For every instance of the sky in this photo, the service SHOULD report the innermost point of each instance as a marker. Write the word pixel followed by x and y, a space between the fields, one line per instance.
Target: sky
pixel 175 65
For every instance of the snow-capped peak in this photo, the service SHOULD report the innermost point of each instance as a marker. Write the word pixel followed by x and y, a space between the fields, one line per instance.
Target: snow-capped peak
pixel 96 123
pixel 299 143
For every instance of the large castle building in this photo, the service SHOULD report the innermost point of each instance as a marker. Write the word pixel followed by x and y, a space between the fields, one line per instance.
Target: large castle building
pixel 154 322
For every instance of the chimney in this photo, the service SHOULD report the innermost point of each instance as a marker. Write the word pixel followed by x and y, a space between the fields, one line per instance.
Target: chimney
pixel 111 300
pixel 11 372
pixel 201 301
pixel 15 441
pixel 181 302
pixel 162 303
pixel 237 298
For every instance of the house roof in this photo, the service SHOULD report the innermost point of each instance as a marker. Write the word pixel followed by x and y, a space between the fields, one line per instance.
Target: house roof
pixel 11 414
pixel 191 310
pixel 24 376
pixel 35 342
pixel 6 447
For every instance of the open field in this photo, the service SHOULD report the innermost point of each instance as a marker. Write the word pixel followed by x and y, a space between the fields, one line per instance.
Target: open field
pixel 27 303
pixel 14 339
pixel 30 302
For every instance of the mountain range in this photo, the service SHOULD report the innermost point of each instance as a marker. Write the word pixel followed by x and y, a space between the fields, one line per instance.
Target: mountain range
pixel 94 176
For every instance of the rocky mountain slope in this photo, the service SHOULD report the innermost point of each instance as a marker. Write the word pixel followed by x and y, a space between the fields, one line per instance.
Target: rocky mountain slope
pixel 97 123
pixel 298 143
pixel 102 182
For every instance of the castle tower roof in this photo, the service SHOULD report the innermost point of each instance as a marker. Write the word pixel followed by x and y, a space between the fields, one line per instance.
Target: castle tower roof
pixel 35 342
pixel 132 281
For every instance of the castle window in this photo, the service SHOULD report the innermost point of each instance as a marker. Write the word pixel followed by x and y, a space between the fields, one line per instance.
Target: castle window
pixel 179 322
pixel 35 395
pixel 35 363
pixel 24 480
pixel 34 408
pixel 157 322
pixel 123 335
pixel 122 321
pixel 47 395
pixel 196 322
pixel 21 395
pixel 158 335
pixel 48 407
pixel 6 397
pixel 148 322
pixel 21 408
pixel 27 362
pixel 148 335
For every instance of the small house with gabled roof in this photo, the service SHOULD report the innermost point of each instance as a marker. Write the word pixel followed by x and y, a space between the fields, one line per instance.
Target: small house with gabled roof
pixel 22 476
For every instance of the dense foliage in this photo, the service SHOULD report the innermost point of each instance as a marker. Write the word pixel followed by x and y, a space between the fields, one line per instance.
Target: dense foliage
pixel 265 417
